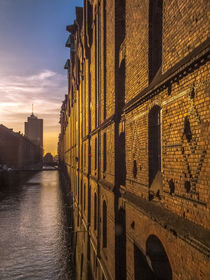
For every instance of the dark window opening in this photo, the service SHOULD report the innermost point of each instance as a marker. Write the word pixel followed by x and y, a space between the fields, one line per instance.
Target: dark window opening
pixel 141 267
pixel 121 87
pixel 84 197
pixel 89 21
pixel 134 169
pixel 89 204
pixel 104 153
pixel 78 192
pixel 89 160
pixel 187 129
pixel 104 225
pixel 85 155
pixel 122 161
pixel 81 267
pixel 155 37
pixel 96 150
pixel 95 210
pixel 104 55
pixel 96 73
pixel 171 186
pixel 89 103
pixel 154 143
pixel 187 186
pixel 81 193
pixel 78 218
pixel 158 259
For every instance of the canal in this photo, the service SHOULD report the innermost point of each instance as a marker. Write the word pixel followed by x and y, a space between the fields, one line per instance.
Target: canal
pixel 34 231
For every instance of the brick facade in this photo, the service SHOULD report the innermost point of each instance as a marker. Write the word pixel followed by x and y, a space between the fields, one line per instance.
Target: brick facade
pixel 135 139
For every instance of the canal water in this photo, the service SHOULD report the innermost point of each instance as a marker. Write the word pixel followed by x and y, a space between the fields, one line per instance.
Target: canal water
pixel 34 231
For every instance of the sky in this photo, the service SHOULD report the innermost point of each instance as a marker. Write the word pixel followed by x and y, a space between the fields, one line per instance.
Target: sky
pixel 32 58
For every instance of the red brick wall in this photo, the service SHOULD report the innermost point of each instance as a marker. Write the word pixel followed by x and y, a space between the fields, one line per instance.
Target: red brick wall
pixel 185 27
pixel 136 47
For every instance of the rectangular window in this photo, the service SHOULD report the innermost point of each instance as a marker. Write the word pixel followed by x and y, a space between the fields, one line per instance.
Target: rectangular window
pixel 84 197
pixel 96 73
pixel 89 204
pixel 85 155
pixel 104 153
pixel 95 211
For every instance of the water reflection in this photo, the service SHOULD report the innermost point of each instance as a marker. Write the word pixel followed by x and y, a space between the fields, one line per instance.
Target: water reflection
pixel 34 235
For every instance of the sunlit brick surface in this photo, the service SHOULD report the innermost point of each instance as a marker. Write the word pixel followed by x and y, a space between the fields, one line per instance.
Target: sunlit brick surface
pixel 135 137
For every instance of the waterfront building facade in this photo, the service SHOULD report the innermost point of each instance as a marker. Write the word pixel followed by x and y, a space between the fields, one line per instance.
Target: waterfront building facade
pixel 135 139
pixel 17 151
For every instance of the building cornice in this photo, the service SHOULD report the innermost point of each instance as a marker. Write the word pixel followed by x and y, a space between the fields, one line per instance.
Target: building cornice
pixel 192 61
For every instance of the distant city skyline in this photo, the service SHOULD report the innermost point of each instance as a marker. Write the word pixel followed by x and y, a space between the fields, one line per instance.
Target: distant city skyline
pixel 32 56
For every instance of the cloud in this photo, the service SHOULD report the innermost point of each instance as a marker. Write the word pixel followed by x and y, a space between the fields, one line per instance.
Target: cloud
pixel 42 76
pixel 45 90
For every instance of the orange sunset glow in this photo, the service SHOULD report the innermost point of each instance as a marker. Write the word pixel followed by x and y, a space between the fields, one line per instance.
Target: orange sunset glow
pixel 32 58
pixel 18 93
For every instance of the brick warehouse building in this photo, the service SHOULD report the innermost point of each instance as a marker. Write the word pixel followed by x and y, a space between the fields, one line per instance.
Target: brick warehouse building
pixel 135 139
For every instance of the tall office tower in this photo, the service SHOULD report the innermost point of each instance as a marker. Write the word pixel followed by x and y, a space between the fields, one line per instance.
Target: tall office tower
pixel 34 129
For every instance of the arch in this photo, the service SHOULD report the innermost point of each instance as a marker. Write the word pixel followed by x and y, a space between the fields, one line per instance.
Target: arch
pixel 154 135
pixel 104 230
pixel 158 258
pixel 141 267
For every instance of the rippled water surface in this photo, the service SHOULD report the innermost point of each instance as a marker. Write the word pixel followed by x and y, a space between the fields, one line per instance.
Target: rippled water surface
pixel 33 231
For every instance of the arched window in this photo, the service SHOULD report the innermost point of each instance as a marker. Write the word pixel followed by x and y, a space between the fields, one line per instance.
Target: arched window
pixel 158 258
pixel 141 266
pixel 154 264
pixel 154 143
pixel 104 225
pixel 95 210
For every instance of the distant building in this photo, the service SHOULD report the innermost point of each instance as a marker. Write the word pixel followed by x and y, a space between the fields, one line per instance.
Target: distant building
pixel 17 151
pixel 34 130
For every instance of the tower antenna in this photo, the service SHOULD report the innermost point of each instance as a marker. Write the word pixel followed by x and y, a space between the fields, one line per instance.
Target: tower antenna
pixel 32 109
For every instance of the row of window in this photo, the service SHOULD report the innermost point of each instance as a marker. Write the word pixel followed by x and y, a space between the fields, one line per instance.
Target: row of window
pixel 154 49
pixel 104 211
pixel 96 153
pixel 154 141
